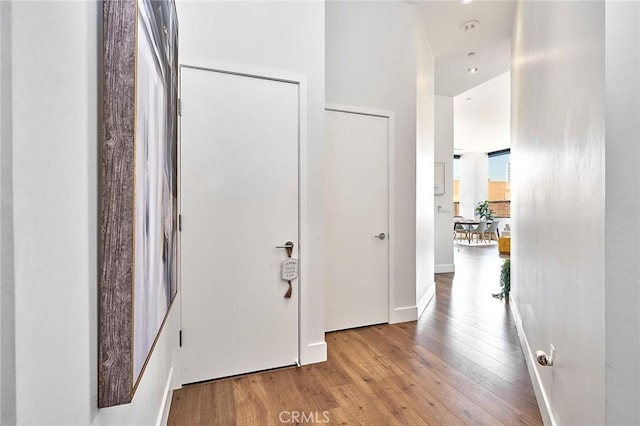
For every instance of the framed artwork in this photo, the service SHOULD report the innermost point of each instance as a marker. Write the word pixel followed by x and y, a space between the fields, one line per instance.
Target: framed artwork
pixel 138 190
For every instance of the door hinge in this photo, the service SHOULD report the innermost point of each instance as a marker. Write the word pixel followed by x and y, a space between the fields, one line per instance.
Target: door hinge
pixel 180 223
pixel 180 338
pixel 179 107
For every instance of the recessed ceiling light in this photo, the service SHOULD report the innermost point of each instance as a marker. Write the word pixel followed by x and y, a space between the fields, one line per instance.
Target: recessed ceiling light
pixel 465 1
pixel 471 54
pixel 470 25
pixel 472 70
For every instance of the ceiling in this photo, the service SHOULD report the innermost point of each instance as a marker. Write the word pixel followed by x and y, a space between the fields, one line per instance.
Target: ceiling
pixel 451 45
pixel 481 124
pixel 482 117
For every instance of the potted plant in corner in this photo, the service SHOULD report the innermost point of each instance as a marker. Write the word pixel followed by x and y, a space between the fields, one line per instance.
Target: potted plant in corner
pixel 484 211
pixel 505 280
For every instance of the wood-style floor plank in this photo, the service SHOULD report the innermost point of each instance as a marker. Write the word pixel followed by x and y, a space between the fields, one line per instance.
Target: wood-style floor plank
pixel 460 363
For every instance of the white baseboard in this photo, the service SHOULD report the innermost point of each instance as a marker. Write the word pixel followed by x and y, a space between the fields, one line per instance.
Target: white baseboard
pixel 313 353
pixel 426 299
pixel 445 269
pixel 163 414
pixel 409 313
pixel 541 396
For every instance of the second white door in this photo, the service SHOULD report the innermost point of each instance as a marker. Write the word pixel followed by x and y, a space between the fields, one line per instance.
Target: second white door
pixel 357 236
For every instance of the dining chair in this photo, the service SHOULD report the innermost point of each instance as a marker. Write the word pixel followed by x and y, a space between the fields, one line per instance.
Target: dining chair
pixel 492 231
pixel 459 231
pixel 478 231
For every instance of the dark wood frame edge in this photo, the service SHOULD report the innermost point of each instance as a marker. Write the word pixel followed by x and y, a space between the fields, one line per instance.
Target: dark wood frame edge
pixel 116 199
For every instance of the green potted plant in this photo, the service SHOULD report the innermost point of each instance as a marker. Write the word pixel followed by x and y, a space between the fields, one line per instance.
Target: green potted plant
pixel 484 211
pixel 505 280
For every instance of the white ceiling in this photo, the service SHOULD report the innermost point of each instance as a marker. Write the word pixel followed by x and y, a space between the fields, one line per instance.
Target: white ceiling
pixel 482 123
pixel 452 77
pixel 482 117
pixel 491 41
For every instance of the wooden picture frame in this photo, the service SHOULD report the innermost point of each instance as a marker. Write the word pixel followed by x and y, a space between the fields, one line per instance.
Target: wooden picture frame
pixel 138 190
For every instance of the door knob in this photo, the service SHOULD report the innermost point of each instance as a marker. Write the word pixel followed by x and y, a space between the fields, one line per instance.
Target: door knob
pixel 381 235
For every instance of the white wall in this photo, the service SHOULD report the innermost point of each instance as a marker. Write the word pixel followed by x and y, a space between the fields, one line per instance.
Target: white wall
pixel 622 235
pixel 7 316
pixel 371 61
pixel 55 138
pixel 274 36
pixel 444 215
pixel 558 187
pixel 474 182
pixel 425 141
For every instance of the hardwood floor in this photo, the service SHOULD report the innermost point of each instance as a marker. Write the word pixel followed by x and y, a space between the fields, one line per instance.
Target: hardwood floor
pixel 460 363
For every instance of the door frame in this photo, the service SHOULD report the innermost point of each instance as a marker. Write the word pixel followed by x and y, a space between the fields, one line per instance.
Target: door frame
pixel 305 350
pixel 390 116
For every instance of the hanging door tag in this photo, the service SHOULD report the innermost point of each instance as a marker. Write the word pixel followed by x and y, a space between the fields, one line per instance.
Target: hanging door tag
pixel 289 269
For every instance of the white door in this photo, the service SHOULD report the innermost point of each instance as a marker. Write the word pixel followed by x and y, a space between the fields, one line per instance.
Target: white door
pixel 239 186
pixel 357 283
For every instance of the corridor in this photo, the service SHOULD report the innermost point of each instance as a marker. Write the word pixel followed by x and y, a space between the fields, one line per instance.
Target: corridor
pixel 460 363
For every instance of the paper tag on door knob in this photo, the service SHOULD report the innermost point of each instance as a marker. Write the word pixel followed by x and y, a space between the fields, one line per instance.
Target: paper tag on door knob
pixel 289 269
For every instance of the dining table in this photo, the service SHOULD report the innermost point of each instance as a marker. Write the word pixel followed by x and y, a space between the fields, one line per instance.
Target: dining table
pixel 467 224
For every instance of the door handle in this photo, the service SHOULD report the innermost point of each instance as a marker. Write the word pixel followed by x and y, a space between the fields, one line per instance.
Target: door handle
pixel 287 245
pixel 381 236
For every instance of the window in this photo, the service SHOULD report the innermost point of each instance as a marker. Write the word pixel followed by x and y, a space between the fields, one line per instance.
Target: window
pixel 456 185
pixel 499 182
